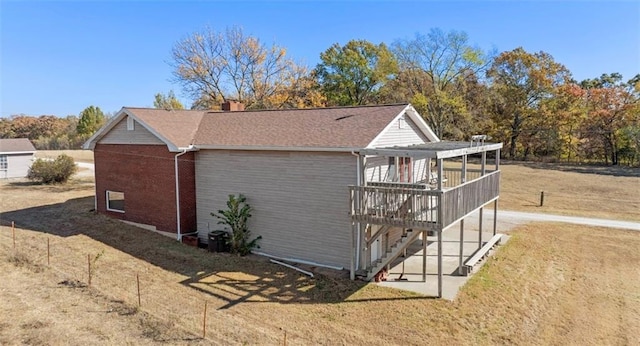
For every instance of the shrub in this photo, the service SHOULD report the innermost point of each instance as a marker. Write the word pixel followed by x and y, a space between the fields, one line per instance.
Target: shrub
pixel 235 217
pixel 52 171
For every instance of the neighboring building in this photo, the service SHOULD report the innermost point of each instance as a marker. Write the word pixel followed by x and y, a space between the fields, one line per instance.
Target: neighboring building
pixel 16 156
pixel 170 169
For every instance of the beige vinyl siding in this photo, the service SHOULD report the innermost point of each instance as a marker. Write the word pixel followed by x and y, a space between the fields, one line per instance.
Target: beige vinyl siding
pixel 17 165
pixel 300 199
pixel 403 131
pixel 377 169
pixel 120 135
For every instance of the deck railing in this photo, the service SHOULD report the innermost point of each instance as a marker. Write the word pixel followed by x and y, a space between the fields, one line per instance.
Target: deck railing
pixel 416 205
pixel 393 205
pixel 463 199
pixel 453 176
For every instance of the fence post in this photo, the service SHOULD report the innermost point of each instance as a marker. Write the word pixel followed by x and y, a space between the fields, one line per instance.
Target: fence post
pixel 541 198
pixel 204 321
pixel 138 284
pixel 13 233
pixel 89 268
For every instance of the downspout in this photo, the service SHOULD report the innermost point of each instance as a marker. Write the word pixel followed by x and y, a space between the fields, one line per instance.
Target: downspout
pixel 358 227
pixel 175 161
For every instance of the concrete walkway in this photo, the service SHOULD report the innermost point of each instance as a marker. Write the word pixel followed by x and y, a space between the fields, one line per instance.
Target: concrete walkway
pixel 452 282
pixel 89 170
pixel 521 217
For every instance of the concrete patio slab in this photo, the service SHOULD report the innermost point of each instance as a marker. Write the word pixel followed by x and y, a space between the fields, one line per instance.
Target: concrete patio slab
pixel 452 282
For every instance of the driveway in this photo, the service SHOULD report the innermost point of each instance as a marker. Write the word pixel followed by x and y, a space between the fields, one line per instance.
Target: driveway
pixel 85 169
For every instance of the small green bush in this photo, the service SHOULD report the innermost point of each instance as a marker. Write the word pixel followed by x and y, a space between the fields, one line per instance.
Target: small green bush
pixel 235 218
pixel 51 172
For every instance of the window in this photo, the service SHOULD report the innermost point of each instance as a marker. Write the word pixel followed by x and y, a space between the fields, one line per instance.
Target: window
pixel 130 124
pixel 115 201
pixel 3 163
pixel 392 172
pixel 400 170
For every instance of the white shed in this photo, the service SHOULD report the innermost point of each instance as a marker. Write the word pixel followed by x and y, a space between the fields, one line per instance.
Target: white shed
pixel 16 156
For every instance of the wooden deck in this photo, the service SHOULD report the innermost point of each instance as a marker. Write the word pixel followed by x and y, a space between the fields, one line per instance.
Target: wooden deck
pixel 417 206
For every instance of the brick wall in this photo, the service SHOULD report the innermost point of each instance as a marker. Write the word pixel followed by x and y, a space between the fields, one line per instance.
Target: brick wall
pixel 145 173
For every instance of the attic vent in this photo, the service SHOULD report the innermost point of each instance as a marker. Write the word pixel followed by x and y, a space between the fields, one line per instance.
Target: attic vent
pixel 130 124
pixel 345 117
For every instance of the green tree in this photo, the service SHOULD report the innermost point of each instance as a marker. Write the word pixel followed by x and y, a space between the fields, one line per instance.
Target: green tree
pixel 354 73
pixel 91 119
pixel 168 102
pixel 437 71
pixel 522 82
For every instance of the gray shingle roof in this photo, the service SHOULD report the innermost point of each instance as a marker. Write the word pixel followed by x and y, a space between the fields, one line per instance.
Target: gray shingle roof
pixel 343 127
pixel 13 145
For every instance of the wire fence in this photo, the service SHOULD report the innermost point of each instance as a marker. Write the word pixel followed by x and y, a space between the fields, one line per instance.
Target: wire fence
pixel 137 286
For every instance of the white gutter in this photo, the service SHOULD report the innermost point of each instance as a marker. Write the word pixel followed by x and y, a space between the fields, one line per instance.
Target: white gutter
pixel 276 148
pixel 184 151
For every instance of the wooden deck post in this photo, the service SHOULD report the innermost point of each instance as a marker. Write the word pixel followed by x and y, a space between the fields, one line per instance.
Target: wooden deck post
pixel 352 269
pixel 440 226
pixel 440 263
pixel 461 246
pixel 483 171
pixel 480 227
pixel 495 204
pixel 424 256
pixel 463 179
pixel 495 216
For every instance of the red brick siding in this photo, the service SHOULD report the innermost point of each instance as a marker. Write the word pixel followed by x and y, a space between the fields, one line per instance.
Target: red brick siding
pixel 145 173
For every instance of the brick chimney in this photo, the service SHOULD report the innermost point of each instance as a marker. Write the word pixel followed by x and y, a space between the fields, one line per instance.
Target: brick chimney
pixel 232 106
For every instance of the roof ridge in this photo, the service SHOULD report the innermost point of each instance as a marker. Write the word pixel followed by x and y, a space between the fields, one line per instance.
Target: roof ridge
pixel 168 110
pixel 309 109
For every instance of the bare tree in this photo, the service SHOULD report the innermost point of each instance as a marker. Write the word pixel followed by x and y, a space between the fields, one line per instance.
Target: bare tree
pixel 215 66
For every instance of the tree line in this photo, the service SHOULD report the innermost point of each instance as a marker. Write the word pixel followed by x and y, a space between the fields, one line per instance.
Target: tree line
pixel 526 100
pixel 48 132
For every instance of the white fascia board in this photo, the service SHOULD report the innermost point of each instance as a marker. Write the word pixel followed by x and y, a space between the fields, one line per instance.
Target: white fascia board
pixel 90 144
pixel 418 120
pixel 172 147
pixel 274 148
pixel 386 128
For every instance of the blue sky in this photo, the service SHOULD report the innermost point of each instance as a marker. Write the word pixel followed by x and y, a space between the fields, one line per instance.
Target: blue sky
pixel 60 57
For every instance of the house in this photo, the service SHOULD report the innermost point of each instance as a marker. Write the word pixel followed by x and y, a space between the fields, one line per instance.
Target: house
pixel 16 156
pixel 302 170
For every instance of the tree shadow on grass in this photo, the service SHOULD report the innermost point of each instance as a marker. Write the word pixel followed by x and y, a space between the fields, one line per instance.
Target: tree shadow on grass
pixel 232 279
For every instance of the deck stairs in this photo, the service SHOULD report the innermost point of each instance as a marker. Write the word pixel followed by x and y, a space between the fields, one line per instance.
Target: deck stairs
pixel 392 253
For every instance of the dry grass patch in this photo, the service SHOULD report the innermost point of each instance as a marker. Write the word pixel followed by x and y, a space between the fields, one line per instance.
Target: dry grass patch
pixel 541 287
pixel 599 192
pixel 77 155
pixel 613 193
